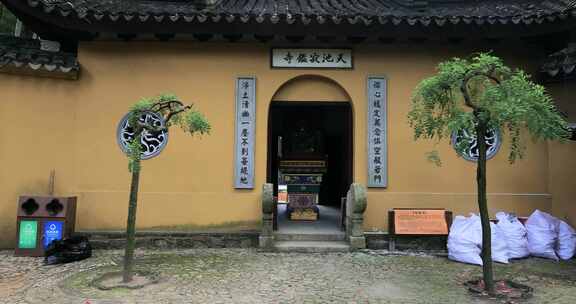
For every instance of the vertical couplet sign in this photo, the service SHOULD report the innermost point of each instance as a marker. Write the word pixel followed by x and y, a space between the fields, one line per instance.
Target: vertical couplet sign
pixel 28 234
pixel 377 133
pixel 245 128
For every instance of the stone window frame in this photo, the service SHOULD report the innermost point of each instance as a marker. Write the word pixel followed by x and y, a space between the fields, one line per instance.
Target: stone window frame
pixel 453 138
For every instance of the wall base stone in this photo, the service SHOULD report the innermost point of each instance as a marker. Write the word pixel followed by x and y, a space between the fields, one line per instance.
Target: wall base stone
pixel 266 242
pixel 380 240
pixel 173 240
pixel 243 239
pixel 357 242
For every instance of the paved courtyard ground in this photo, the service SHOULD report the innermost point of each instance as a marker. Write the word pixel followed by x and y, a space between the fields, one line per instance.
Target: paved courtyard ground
pixel 249 276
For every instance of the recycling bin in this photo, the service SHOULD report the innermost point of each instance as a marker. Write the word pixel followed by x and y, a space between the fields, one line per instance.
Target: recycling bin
pixel 42 219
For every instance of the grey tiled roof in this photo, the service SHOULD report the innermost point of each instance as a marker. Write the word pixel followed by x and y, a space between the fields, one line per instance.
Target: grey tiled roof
pixel 367 12
pixel 24 56
pixel 562 63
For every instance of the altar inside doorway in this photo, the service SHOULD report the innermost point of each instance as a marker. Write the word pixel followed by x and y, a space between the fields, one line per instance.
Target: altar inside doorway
pixel 302 179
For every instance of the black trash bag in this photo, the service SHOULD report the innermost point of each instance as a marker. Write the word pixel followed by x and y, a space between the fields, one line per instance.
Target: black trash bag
pixel 67 250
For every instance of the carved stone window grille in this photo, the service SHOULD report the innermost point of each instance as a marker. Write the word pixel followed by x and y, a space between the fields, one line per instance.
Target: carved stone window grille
pixel 493 142
pixel 152 142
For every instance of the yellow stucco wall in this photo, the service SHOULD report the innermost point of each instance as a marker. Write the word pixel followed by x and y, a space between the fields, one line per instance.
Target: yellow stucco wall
pixel 562 183
pixel 563 157
pixel 71 126
pixel 37 138
pixel 311 88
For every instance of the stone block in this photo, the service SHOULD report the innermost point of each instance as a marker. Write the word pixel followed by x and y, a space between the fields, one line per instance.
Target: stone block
pixel 266 242
pixel 357 242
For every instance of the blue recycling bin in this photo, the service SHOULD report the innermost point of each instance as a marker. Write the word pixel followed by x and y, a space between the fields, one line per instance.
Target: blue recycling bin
pixel 41 220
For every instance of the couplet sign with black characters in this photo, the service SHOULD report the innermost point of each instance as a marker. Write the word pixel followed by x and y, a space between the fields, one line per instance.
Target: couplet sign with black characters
pixel 377 133
pixel 245 128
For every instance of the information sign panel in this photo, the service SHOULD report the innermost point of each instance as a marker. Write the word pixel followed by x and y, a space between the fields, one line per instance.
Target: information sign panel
pixel 420 221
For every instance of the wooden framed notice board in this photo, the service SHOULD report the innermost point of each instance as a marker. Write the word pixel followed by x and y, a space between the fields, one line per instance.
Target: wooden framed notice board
pixel 417 222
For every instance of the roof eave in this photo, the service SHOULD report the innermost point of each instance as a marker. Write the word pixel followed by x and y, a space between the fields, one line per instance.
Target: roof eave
pixel 54 21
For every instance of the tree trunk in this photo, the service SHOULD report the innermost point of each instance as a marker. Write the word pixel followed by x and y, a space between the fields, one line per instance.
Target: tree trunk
pixel 131 225
pixel 483 207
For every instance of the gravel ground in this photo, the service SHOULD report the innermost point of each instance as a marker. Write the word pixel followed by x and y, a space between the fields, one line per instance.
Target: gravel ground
pixel 249 276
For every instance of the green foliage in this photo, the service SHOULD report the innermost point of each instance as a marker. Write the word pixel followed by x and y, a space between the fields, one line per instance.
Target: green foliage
pixel 503 98
pixel 166 97
pixel 174 113
pixel 135 150
pixel 7 21
pixel 434 158
pixel 141 106
pixel 144 104
pixel 195 122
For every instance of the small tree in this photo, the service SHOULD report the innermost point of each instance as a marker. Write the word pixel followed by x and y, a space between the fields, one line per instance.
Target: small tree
pixel 174 113
pixel 474 96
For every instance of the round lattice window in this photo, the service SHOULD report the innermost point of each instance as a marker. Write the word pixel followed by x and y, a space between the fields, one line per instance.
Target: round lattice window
pixel 493 142
pixel 572 127
pixel 152 142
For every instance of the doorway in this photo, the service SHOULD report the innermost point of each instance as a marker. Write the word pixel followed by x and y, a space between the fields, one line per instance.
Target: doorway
pixel 330 129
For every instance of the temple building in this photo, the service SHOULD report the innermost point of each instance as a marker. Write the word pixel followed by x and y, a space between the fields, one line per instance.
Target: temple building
pixel 310 96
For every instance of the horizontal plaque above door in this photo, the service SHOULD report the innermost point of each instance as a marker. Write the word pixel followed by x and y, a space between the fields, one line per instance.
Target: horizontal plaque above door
pixel 312 58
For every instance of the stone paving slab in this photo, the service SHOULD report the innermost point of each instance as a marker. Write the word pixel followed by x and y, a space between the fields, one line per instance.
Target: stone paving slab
pixel 250 276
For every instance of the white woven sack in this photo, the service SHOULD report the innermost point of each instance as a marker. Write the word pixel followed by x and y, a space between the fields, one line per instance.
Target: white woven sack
pixel 515 233
pixel 566 241
pixel 498 240
pixel 500 252
pixel 542 235
pixel 464 241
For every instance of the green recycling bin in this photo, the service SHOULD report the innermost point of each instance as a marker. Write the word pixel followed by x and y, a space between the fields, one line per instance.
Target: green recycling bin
pixel 41 220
